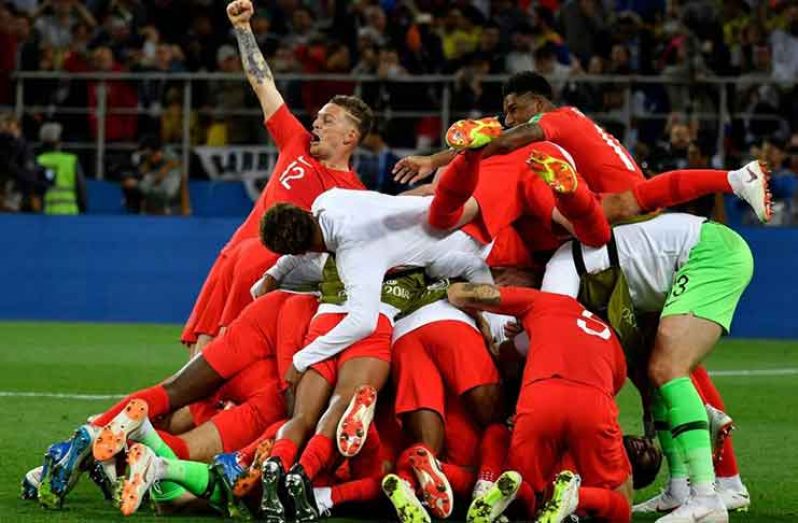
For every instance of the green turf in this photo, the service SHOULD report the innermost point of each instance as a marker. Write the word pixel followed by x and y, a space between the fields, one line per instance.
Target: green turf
pixel 109 359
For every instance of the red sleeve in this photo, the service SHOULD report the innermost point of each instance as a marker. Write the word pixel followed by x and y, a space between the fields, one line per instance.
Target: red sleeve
pixel 284 128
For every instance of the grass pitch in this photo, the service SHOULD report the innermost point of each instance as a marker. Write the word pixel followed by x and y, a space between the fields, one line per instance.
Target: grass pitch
pixel 53 362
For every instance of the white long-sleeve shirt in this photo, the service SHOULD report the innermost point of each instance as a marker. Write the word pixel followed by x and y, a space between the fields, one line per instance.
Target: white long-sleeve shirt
pixel 371 233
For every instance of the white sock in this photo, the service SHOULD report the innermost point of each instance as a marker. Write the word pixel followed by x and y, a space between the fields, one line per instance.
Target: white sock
pixel 323 497
pixel 704 489
pixel 679 488
pixel 161 468
pixel 733 483
pixel 144 430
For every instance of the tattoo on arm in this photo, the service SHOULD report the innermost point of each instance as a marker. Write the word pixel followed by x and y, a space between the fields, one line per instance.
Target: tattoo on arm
pixel 481 293
pixel 254 63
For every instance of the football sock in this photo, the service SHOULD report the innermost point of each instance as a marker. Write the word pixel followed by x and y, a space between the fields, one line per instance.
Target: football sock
pixel 285 450
pixel 526 496
pixel 157 405
pixel 583 209
pixel 360 490
pixel 318 455
pixel 727 466
pixel 673 455
pixel 690 431
pixel 493 447
pixel 677 187
pixel 368 462
pixel 455 186
pixel 461 479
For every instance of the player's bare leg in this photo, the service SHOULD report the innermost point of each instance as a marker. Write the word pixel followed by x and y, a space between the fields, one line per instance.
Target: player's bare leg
pixel 320 451
pixel 426 427
pixel 203 442
pixel 311 398
pixel 682 341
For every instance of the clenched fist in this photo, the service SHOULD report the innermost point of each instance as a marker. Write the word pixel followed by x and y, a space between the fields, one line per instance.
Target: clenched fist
pixel 239 12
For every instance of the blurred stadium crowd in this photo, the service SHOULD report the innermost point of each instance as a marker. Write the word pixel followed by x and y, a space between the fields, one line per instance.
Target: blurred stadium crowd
pixel 753 42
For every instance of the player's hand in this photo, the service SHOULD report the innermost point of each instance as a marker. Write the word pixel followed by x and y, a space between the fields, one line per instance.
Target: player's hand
pixel 412 169
pixel 263 286
pixel 512 329
pixel 239 12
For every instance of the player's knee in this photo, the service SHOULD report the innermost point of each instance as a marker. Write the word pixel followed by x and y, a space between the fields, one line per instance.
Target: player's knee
pixel 485 404
pixel 663 370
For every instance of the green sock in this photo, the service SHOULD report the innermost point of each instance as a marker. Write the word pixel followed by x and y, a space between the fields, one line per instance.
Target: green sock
pixel 690 430
pixel 166 491
pixel 153 440
pixel 673 455
pixel 192 475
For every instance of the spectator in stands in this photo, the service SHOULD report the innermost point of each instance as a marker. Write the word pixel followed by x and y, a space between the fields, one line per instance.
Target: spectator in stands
pixel 556 73
pixel 489 49
pixel 520 58
pixel 375 27
pixel 228 96
pixel 459 35
pixel 303 31
pixel 261 28
pixel 155 188
pixel 423 47
pixel 672 155
pixel 785 46
pixel 375 164
pixel 66 193
pixel 783 181
pixel 469 95
pixel 55 19
pixel 545 33
pixel 21 180
pixel 584 27
pixel 121 100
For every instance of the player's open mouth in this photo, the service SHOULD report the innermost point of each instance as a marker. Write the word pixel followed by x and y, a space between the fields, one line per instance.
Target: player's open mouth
pixel 314 138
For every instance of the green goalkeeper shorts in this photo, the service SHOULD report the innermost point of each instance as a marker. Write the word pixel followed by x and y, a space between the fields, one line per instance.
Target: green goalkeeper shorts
pixel 717 272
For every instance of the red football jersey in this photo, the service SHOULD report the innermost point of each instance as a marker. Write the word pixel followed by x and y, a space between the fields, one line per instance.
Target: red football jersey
pixel 566 340
pixel 297 177
pixel 600 158
pixel 507 190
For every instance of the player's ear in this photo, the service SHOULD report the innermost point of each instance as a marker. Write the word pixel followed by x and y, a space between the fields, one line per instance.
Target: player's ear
pixel 352 136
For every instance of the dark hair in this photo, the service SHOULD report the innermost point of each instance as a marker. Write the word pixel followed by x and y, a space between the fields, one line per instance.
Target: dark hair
pixel 359 110
pixel 527 82
pixel 645 459
pixel 287 229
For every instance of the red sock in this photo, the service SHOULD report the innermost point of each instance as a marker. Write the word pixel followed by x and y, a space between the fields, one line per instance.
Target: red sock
pixel 318 455
pixel 368 462
pixel 583 209
pixel 157 402
pixel 676 187
pixel 604 505
pixel 285 450
pixel 455 187
pixel 247 454
pixel 176 443
pixel 493 449
pixel 526 496
pixel 727 466
pixel 359 490
pixel 460 478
